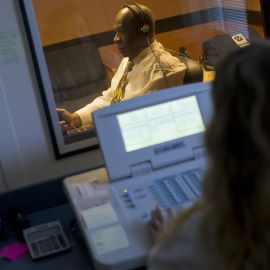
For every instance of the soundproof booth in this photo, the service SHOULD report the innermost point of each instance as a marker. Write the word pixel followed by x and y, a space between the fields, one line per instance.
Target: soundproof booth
pixel 80 196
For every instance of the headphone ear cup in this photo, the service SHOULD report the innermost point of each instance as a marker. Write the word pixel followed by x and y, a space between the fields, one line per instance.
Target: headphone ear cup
pixel 145 29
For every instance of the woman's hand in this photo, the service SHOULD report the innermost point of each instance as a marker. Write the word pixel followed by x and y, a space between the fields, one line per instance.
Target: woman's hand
pixel 160 221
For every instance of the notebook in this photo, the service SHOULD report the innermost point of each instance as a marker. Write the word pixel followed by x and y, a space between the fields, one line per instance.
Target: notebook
pixel 154 154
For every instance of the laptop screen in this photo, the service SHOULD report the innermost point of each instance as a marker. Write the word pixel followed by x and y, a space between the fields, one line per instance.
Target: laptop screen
pixel 160 129
pixel 160 123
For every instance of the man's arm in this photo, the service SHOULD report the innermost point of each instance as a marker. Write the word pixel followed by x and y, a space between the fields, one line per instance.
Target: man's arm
pixel 102 101
pixel 85 113
pixel 171 74
pixel 82 117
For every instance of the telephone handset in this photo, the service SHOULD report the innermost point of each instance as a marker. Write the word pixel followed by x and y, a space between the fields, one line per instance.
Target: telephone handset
pixel 217 47
pixel 240 40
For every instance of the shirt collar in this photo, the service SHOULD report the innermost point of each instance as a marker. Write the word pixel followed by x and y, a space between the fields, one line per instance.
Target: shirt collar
pixel 155 45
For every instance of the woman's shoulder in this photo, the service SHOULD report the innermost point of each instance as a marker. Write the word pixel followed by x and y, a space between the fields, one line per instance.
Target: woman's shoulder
pixel 187 248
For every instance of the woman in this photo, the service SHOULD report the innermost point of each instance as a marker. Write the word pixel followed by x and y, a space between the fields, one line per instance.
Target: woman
pixel 230 227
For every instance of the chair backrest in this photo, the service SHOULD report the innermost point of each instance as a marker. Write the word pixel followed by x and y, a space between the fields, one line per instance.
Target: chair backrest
pixel 194 71
pixel 75 70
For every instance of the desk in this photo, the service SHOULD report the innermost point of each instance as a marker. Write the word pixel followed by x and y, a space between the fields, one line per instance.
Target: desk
pixel 76 258
pixel 78 134
pixel 208 75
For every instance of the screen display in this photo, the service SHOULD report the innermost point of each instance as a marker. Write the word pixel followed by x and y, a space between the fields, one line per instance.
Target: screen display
pixel 160 123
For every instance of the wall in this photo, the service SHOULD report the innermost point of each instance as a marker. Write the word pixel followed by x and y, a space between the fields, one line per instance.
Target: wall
pixel 61 21
pixel 97 16
pixel 26 153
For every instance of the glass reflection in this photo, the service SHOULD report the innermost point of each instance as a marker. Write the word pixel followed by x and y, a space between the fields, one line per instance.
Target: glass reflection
pixel 77 39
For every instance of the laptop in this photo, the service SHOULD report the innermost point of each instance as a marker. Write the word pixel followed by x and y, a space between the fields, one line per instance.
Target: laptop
pixel 154 154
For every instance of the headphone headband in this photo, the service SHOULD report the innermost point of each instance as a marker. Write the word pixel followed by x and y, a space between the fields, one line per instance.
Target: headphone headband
pixel 144 27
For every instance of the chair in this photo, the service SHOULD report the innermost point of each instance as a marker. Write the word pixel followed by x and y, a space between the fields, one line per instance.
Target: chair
pixel 194 71
pixel 76 72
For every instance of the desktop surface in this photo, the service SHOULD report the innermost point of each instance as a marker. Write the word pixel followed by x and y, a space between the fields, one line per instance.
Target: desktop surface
pixel 76 258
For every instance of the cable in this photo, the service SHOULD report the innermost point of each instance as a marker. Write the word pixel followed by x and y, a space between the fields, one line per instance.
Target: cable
pixel 157 60
pixel 144 28
pixel 177 53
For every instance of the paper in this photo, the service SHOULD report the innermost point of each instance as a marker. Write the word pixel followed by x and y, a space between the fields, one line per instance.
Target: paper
pixel 98 216
pixel 110 239
pixel 90 190
pixel 13 250
pixel 10 48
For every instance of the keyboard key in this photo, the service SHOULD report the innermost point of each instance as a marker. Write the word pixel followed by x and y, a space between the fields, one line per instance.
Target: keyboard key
pixel 178 189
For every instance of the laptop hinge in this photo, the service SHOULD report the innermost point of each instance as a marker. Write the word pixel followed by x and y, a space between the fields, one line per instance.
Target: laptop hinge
pixel 141 168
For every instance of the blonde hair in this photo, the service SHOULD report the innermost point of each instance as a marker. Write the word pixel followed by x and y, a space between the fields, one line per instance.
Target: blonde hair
pixel 236 191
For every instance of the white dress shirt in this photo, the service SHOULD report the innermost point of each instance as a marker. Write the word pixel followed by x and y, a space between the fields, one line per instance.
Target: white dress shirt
pixel 146 76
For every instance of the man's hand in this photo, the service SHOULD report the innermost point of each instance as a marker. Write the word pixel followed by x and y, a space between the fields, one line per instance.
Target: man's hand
pixel 68 120
pixel 159 222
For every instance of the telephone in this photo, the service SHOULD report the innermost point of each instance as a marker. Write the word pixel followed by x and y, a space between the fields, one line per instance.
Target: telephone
pixel 216 48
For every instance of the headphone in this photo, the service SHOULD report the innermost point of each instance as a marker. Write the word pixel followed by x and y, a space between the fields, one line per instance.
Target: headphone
pixel 144 27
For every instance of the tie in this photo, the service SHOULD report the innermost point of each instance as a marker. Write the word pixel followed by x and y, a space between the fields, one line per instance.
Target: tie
pixel 120 89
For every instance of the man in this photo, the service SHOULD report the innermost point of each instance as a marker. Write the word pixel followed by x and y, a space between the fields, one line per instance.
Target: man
pixel 146 66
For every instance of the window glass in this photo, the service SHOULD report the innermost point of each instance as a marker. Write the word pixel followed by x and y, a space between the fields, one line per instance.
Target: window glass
pixel 76 37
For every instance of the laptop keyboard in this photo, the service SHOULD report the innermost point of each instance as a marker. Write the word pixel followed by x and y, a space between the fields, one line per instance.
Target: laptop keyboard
pixel 177 189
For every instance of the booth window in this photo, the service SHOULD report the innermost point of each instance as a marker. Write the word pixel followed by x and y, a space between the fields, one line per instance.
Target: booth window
pixel 72 43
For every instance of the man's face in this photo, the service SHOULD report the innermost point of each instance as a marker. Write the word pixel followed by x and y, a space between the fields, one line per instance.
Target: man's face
pixel 126 37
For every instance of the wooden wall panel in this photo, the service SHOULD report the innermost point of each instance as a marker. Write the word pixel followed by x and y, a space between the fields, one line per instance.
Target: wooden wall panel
pixel 189 37
pixel 253 5
pixel 168 8
pixel 61 20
